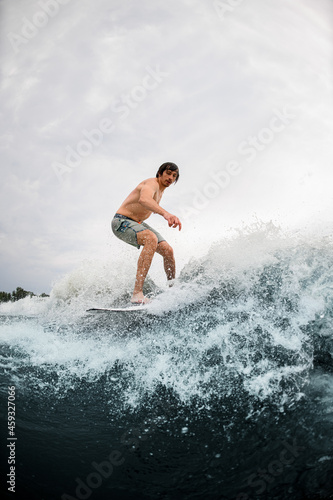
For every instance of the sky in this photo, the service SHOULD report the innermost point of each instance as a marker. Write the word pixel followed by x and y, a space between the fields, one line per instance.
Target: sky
pixel 96 95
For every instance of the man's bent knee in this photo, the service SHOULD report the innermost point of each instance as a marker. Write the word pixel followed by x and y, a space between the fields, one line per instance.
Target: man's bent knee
pixel 164 248
pixel 147 238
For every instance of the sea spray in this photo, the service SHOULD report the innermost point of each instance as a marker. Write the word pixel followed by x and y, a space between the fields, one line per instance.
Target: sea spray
pixel 245 318
pixel 211 390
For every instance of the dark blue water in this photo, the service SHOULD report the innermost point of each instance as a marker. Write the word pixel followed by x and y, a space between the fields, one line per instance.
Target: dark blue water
pixel 222 391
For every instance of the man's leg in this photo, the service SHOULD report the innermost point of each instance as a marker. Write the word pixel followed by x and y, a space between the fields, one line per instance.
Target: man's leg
pixel 149 241
pixel 166 251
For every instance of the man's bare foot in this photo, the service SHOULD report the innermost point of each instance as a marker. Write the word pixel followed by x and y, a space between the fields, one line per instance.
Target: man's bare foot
pixel 139 298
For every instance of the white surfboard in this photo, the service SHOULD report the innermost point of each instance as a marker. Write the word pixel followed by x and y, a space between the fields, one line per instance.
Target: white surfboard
pixel 119 309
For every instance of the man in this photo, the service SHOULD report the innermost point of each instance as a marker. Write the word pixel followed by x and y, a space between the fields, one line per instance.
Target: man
pixel 128 225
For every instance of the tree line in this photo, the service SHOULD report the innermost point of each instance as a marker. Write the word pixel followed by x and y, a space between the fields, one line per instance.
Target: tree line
pixel 18 294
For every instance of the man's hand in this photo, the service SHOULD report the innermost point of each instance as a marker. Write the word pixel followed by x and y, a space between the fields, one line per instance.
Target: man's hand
pixel 173 221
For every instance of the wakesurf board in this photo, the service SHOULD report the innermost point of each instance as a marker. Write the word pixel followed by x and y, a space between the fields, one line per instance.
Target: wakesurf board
pixel 137 308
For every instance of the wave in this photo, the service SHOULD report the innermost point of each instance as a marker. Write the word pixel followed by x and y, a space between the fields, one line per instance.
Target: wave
pixel 249 321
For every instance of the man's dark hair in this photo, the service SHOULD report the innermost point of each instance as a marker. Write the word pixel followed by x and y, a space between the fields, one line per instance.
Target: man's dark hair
pixel 168 166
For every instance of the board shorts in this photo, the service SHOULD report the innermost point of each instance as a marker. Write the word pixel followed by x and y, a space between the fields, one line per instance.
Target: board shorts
pixel 126 229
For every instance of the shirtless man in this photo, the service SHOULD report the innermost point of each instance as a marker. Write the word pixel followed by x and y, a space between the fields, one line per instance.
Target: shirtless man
pixel 128 225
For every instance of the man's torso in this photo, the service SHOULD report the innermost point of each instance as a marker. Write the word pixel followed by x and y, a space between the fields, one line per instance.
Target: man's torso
pixel 131 206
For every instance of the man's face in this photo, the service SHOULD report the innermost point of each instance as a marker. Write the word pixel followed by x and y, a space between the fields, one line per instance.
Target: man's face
pixel 168 177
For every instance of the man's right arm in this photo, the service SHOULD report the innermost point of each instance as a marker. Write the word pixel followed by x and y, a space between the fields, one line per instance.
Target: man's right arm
pixel 146 199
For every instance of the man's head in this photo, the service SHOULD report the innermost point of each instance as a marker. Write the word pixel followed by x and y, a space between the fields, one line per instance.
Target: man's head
pixel 166 167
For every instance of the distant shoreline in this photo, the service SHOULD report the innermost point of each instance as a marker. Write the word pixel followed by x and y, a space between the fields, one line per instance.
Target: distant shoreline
pixel 18 294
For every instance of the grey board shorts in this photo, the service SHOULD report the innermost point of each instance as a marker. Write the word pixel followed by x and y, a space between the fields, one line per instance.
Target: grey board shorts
pixel 126 229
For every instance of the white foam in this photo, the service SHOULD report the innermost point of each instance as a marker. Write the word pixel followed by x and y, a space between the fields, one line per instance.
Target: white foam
pixel 29 306
pixel 243 310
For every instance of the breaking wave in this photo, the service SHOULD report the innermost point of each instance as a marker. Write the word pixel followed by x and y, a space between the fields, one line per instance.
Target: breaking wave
pixel 247 322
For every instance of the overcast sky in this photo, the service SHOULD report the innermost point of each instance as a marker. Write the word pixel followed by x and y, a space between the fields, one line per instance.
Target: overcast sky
pixel 97 94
